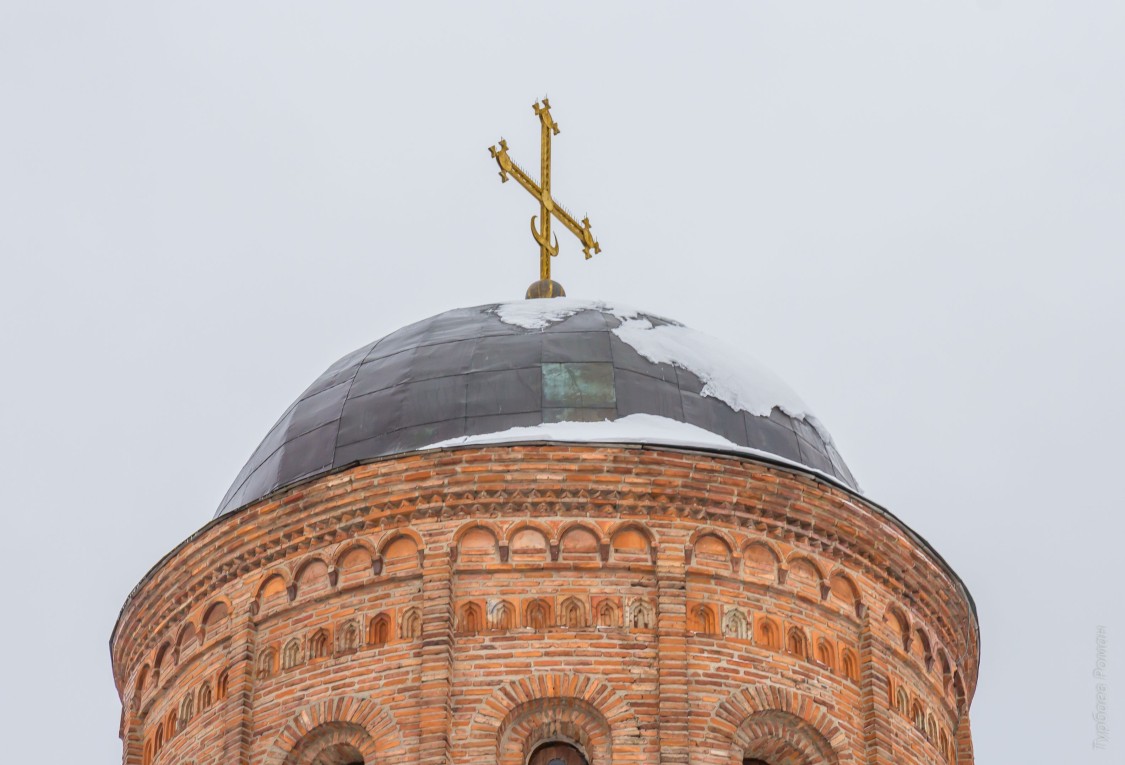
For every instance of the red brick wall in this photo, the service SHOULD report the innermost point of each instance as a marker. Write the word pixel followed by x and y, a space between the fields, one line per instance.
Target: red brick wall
pixel 648 605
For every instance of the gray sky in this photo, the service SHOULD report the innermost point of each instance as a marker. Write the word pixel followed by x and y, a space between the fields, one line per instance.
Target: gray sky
pixel 912 211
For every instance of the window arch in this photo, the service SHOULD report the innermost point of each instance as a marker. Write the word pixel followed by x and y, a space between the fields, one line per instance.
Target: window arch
pixel 339 754
pixel 556 753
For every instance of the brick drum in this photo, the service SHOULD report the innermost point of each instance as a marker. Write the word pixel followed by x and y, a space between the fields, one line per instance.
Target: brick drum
pixel 624 604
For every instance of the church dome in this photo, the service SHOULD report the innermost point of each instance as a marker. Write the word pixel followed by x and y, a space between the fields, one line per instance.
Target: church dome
pixel 532 371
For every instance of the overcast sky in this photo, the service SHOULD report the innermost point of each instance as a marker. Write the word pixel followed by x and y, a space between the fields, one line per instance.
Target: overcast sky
pixel 914 212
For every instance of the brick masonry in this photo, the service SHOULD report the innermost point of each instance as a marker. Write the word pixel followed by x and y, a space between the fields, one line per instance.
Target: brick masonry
pixel 648 605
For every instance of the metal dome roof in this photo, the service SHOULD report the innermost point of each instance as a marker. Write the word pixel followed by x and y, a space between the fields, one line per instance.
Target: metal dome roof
pixel 506 368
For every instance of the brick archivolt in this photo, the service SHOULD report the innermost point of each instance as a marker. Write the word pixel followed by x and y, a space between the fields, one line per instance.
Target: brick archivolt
pixel 779 570
pixel 350 721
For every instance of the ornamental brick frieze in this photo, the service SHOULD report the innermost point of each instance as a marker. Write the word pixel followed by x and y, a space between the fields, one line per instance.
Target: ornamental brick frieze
pixel 451 574
pixel 333 523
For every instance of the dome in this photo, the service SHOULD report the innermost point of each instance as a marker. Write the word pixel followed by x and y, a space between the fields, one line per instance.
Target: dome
pixel 536 370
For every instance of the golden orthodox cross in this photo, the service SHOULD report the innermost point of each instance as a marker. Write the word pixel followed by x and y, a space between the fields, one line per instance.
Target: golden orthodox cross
pixel 547 205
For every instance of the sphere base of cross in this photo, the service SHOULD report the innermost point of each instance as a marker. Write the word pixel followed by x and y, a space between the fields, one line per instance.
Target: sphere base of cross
pixel 545 288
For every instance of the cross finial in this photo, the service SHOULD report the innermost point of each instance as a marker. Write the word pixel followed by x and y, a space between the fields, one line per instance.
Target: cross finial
pixel 548 247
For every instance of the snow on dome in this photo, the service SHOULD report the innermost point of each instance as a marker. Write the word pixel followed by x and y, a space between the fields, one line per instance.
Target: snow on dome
pixel 540 314
pixel 728 373
pixel 536 370
pixel 631 429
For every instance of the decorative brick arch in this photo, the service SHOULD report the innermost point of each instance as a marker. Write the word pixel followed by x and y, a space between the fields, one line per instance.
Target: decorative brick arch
pixel 528 523
pixel 776 724
pixel 580 709
pixel 570 526
pixel 714 531
pixel 400 531
pixel 351 545
pixel 348 721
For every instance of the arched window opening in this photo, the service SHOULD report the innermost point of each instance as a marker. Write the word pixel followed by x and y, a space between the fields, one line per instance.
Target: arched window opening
pixel 556 753
pixel 221 685
pixel 339 754
pixel 333 742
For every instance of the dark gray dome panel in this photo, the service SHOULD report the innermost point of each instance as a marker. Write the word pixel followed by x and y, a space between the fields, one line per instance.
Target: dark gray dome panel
pixel 466 373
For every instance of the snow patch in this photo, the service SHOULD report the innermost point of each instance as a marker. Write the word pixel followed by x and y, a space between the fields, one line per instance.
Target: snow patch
pixel 540 314
pixel 727 373
pixel 633 429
